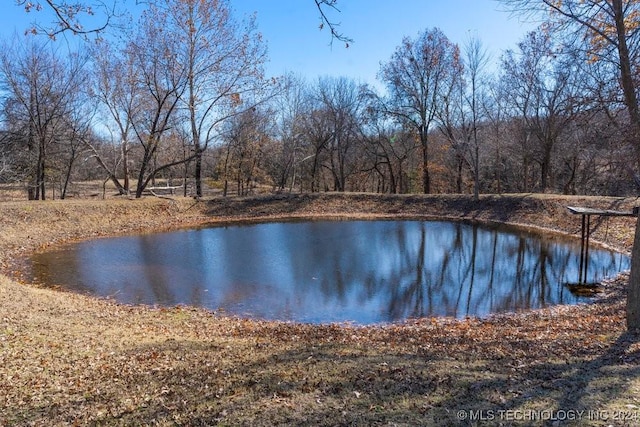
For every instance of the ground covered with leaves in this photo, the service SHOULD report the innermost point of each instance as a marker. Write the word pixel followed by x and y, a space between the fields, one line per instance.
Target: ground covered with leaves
pixel 68 359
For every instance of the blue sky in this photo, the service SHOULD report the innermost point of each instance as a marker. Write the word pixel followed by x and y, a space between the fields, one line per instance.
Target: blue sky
pixel 296 44
pixel 291 28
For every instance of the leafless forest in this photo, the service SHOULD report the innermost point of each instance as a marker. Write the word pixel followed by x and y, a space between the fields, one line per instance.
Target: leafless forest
pixel 181 99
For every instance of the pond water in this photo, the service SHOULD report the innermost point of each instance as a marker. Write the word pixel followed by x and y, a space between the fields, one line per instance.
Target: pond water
pixel 364 272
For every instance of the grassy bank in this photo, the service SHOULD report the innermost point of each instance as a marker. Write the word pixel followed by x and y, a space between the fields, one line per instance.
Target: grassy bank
pixel 68 359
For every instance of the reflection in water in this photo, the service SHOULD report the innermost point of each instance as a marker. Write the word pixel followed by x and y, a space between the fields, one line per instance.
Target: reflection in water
pixel 360 271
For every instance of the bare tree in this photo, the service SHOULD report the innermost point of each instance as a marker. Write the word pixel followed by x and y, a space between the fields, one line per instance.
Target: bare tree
pixel 543 93
pixel 246 136
pixel 76 132
pixel 223 60
pixel 460 115
pixel 476 59
pixel 115 89
pixel 388 147
pixel 418 77
pixel 454 123
pixel 495 110
pixel 289 147
pixel 39 93
pixel 341 99
pixel 161 80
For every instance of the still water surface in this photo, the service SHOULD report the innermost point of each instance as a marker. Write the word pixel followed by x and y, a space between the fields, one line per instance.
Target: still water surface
pixel 331 271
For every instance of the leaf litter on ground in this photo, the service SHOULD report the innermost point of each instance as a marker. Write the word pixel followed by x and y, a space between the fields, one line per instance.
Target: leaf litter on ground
pixel 69 359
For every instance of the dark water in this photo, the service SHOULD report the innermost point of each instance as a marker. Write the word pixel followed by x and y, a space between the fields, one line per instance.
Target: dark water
pixel 359 271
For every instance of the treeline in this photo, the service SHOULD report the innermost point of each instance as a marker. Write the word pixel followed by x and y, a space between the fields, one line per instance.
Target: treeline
pixel 182 97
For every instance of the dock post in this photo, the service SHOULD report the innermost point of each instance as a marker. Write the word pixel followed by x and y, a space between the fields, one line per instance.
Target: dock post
pixel 582 240
pixel 583 280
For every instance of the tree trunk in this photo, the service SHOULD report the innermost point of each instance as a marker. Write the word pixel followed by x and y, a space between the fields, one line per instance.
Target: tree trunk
pixel 426 180
pixel 633 296
pixel 460 161
pixel 67 179
pixel 631 101
pixel 41 172
pixel 393 186
pixel 124 189
pixel 476 173
pixel 114 179
pixel 144 166
pixel 545 168
pixel 314 171
pixel 198 171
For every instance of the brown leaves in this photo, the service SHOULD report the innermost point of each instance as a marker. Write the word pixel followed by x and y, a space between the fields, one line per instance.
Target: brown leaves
pixel 68 359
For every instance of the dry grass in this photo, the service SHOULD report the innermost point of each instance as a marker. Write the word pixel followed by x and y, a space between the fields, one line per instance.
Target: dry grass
pixel 67 359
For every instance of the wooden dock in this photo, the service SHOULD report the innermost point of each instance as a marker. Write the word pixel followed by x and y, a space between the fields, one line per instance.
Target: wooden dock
pixel 600 212
pixel 586 232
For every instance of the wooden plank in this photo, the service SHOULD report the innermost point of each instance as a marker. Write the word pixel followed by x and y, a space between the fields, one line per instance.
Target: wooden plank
pixel 164 188
pixel 601 212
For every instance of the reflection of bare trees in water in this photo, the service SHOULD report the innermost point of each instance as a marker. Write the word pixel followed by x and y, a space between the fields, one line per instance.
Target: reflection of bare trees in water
pixel 483 271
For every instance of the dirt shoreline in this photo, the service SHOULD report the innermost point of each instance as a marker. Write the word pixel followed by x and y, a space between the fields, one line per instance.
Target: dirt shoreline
pixel 68 359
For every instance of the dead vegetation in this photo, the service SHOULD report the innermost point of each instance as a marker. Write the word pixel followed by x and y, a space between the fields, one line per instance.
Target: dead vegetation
pixel 68 359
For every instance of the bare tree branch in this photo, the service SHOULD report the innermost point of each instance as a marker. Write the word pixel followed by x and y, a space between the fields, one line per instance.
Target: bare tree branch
pixel 69 17
pixel 333 26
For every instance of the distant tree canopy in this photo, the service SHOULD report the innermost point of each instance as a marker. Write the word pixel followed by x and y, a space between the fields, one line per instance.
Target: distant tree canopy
pixel 174 101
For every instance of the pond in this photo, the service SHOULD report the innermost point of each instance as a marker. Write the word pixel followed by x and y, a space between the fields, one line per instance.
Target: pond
pixel 364 272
